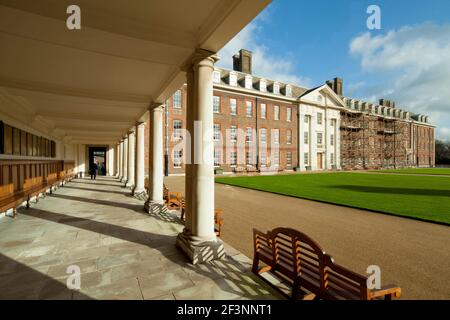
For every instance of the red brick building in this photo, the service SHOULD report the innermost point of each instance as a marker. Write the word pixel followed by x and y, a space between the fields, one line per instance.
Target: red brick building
pixel 265 125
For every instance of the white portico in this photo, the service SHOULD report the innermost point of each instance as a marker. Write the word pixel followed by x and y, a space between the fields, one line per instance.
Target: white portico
pixel 318 134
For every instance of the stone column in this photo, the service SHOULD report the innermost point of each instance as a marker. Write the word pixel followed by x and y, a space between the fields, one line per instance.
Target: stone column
pixel 131 155
pixel 120 162
pixel 139 187
pixel 116 160
pixel 111 155
pixel 125 160
pixel 155 201
pixel 200 243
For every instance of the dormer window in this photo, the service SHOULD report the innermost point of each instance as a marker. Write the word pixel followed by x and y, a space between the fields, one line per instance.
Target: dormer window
pixel 216 76
pixel 233 79
pixel 276 88
pixel 288 91
pixel 262 85
pixel 248 82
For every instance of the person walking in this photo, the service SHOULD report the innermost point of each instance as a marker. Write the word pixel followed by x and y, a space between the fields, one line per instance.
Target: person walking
pixel 94 168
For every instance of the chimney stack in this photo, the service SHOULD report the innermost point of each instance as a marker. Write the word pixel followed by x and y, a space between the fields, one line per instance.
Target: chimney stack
pixel 336 85
pixel 242 62
pixel 387 103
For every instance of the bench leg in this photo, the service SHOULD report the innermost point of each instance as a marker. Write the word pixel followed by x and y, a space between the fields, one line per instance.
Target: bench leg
pixel 28 202
pixel 255 265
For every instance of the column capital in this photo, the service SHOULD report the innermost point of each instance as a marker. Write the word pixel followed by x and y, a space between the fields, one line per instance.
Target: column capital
pixel 200 55
pixel 140 124
pixel 156 107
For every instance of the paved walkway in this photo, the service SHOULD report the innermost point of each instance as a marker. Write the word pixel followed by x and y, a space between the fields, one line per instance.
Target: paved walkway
pixel 123 253
pixel 412 254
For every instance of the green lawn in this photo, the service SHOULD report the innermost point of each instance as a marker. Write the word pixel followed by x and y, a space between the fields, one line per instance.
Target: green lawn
pixel 432 171
pixel 421 197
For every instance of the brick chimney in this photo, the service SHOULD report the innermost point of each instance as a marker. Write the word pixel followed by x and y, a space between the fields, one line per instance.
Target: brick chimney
pixel 336 85
pixel 242 62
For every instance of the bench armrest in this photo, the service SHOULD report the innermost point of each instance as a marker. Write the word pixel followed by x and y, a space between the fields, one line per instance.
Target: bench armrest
pixel 391 290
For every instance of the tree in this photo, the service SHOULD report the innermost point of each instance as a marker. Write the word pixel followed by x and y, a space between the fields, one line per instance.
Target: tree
pixel 442 152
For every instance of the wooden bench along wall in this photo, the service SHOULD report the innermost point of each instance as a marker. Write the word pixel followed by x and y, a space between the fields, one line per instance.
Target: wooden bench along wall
pixel 301 263
pixel 21 180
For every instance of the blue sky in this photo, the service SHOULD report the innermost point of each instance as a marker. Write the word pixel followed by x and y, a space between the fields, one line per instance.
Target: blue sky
pixel 308 42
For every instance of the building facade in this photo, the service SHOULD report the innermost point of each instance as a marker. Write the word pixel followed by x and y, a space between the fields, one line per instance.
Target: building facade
pixel 265 125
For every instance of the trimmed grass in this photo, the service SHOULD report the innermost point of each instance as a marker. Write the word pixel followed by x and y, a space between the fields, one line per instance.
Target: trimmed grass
pixel 432 171
pixel 420 197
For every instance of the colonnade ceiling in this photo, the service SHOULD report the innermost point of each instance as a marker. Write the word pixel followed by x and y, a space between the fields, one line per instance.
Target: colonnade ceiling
pixel 91 85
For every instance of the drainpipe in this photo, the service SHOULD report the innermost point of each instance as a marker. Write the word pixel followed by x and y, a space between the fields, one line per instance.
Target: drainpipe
pixel 257 133
pixel 166 140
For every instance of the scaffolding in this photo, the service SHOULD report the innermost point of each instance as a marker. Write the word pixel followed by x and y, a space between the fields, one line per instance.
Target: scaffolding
pixel 352 140
pixel 370 141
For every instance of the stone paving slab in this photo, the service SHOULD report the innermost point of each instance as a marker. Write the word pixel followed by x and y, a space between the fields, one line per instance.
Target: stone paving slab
pixel 122 252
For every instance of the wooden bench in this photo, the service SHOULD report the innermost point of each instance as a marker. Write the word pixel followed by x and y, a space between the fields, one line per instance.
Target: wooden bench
pixel 9 199
pixel 34 187
pixel 173 200
pixel 218 220
pixel 301 264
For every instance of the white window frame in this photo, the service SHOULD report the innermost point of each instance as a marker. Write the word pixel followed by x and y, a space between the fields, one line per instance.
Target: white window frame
pixel 216 133
pixel 235 107
pixel 262 85
pixel 216 103
pixel 233 158
pixel 232 78
pixel 216 76
pixel 263 136
pixel 306 158
pixel 248 82
pixel 288 91
pixel 263 113
pixel 177 131
pixel 319 134
pixel 177 100
pixel 289 159
pixel 289 136
pixel 320 118
pixel 288 114
pixel 306 137
pixel 276 88
pixel 276 158
pixel 177 159
pixel 233 133
pixel 217 158
pixel 263 159
pixel 276 113
pixel 249 106
pixel 276 136
pixel 249 158
pixel 248 135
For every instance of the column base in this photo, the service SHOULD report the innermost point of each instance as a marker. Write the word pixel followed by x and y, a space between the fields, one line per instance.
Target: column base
pixel 129 185
pixel 140 194
pixel 154 207
pixel 200 252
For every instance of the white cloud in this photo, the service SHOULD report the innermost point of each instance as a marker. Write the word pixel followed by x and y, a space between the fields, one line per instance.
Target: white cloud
pixel 414 65
pixel 265 64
